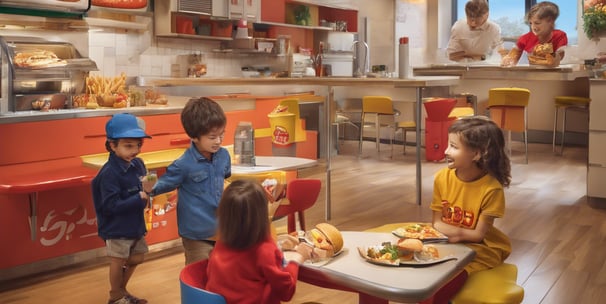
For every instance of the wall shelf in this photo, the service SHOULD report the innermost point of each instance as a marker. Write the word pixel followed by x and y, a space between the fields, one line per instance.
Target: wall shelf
pixel 190 36
pixel 118 19
pixel 116 24
pixel 306 27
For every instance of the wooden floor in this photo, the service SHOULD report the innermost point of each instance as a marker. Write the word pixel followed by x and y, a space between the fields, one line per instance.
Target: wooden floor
pixel 558 239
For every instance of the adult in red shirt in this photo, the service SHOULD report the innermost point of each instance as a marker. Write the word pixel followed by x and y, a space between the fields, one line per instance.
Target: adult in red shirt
pixel 543 44
pixel 246 265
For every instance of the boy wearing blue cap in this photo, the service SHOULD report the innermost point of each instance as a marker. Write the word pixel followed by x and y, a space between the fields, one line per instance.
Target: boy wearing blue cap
pixel 120 197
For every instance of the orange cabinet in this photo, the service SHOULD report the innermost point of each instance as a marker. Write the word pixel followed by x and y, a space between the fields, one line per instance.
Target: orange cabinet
pixel 273 11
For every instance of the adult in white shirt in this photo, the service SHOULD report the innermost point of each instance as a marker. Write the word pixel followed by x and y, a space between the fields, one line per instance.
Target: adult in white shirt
pixel 476 37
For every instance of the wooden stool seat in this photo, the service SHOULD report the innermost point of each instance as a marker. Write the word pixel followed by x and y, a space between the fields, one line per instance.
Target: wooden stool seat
pixel 565 103
pixel 496 285
pixel 461 112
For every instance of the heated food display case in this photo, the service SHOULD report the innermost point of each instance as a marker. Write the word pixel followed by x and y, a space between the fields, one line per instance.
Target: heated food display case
pixel 40 75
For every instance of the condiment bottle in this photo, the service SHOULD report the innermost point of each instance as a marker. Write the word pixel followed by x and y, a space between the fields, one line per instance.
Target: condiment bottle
pixel 244 144
pixel 403 59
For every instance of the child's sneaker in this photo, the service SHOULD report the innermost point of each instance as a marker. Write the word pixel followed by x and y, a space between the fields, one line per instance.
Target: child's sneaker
pixel 136 300
pixel 122 300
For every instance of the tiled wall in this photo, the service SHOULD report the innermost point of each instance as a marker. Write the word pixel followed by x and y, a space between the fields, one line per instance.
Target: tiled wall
pixel 141 54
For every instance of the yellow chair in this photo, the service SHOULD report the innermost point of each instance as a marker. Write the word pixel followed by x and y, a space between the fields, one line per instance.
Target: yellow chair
pixel 496 285
pixel 508 109
pixel 566 103
pixel 381 109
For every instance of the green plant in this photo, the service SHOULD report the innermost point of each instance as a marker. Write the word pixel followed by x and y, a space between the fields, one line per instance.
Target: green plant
pixel 594 20
pixel 302 15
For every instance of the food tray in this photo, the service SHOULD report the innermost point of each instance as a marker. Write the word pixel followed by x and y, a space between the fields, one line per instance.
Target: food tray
pixel 445 255
pixel 422 231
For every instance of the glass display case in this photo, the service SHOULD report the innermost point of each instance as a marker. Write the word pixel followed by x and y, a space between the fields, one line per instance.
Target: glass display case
pixel 40 75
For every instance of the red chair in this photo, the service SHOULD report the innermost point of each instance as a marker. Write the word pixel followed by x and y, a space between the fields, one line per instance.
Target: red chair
pixel 302 194
pixel 191 280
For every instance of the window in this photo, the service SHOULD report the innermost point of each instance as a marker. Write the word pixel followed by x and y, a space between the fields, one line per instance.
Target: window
pixel 509 14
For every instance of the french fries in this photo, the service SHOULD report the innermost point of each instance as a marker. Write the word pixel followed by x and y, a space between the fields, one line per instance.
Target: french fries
pixel 99 85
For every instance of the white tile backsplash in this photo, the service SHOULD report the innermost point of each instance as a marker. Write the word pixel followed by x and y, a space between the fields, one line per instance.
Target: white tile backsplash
pixel 142 54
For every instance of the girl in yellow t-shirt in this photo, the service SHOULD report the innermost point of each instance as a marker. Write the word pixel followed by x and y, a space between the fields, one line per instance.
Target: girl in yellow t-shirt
pixel 469 195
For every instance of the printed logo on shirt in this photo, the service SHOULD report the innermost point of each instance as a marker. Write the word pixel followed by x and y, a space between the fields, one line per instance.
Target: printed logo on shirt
pixel 456 216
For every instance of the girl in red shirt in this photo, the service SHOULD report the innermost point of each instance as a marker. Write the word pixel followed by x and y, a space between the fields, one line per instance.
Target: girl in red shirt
pixel 246 265
pixel 543 44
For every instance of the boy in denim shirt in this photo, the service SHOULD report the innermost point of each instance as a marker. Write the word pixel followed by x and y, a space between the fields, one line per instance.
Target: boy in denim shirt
pixel 198 175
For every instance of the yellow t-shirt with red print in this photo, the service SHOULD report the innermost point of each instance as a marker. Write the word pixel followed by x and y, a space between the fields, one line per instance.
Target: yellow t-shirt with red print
pixel 463 203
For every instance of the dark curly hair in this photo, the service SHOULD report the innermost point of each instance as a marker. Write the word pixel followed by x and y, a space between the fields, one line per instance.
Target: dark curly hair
pixel 481 134
pixel 201 115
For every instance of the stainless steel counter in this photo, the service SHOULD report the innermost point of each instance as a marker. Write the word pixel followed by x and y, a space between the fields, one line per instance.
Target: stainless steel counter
pixel 29 116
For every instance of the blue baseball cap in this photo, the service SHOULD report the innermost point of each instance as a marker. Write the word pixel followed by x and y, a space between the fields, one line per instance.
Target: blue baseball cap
pixel 125 125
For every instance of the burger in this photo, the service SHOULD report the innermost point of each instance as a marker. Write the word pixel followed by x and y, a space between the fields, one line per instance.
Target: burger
pixel 408 247
pixel 327 240
pixel 542 54
pixel 543 49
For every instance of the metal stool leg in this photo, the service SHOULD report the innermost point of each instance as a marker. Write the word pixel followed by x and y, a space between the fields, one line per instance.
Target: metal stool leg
pixel 337 133
pixel 526 135
pixel 404 143
pixel 563 130
pixel 509 141
pixel 378 133
pixel 555 128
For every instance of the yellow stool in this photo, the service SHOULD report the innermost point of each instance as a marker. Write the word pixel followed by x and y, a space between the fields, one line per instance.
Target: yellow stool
pixel 566 103
pixel 508 109
pixel 496 285
pixel 406 126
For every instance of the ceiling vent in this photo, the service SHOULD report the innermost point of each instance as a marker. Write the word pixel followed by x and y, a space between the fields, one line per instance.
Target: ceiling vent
pixel 195 6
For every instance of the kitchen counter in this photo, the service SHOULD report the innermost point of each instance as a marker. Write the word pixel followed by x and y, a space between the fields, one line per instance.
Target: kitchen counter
pixel 544 84
pixel 493 71
pixel 176 103
pixel 321 81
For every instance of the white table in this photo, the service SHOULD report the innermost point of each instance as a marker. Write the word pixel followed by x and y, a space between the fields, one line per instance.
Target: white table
pixel 380 284
pixel 273 163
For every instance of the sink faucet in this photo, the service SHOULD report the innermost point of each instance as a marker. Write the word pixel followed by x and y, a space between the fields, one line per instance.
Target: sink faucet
pixel 366 69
